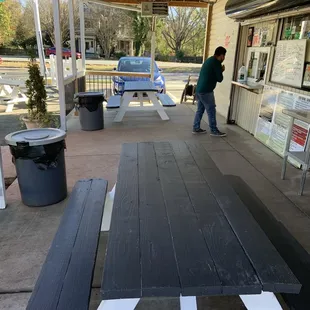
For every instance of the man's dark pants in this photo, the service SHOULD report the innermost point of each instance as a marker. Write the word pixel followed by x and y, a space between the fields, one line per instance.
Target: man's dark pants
pixel 206 102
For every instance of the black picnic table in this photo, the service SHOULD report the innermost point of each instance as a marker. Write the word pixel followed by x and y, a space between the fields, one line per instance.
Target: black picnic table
pixel 179 229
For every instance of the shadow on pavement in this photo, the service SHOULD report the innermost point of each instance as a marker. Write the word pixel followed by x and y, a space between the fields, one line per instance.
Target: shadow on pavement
pixel 8 123
pixel 297 258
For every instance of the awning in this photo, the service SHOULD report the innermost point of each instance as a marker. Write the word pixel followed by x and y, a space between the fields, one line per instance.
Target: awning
pixel 244 9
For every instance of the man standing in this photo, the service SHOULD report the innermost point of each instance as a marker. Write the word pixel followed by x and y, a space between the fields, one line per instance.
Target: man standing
pixel 211 73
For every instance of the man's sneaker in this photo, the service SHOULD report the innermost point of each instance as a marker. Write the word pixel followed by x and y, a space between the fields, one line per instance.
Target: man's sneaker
pixel 199 131
pixel 218 134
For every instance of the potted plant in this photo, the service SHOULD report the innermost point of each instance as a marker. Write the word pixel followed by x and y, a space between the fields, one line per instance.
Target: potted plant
pixel 37 116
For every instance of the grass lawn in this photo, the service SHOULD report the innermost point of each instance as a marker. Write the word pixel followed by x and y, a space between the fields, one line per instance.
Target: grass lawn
pixel 97 67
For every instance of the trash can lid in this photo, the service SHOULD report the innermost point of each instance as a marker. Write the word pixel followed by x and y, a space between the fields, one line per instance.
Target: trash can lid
pixel 89 94
pixel 35 137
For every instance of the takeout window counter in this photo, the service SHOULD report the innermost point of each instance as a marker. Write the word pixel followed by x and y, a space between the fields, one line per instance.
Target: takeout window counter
pixel 256 64
pixel 252 87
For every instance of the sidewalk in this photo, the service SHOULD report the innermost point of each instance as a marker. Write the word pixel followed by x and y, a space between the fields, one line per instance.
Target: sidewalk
pixel 26 233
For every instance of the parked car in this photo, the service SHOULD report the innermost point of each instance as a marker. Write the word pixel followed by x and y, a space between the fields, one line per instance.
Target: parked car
pixel 66 52
pixel 137 65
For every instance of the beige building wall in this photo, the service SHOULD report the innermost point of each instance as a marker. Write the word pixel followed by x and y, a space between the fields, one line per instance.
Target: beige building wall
pixel 223 32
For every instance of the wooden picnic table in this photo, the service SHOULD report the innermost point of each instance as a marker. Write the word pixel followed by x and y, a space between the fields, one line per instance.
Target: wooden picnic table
pixel 135 92
pixel 11 93
pixel 178 229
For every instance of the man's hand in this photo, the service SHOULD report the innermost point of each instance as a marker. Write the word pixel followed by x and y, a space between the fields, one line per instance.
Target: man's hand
pixel 223 68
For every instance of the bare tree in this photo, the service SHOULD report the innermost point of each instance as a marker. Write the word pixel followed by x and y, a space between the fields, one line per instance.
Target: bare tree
pixel 110 25
pixel 47 19
pixel 26 27
pixel 181 26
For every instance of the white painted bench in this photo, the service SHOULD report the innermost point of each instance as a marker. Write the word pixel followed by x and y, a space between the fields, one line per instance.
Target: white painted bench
pixel 165 100
pixel 114 102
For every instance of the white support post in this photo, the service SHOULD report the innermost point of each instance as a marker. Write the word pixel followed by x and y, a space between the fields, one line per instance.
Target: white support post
pixel 39 37
pixel 72 37
pixel 82 34
pixel 153 48
pixel 59 63
pixel 2 185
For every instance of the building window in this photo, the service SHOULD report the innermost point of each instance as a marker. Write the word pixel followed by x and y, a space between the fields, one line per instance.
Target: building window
pixel 291 63
pixel 296 28
pixel 262 34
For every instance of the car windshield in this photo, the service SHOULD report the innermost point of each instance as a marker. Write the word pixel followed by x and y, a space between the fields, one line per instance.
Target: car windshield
pixel 135 65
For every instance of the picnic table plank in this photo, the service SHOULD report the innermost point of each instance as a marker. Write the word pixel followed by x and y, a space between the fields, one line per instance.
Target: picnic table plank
pixel 270 267
pixel 57 262
pixel 84 252
pixel 158 265
pixel 233 266
pixel 122 272
pixel 140 86
pixel 198 275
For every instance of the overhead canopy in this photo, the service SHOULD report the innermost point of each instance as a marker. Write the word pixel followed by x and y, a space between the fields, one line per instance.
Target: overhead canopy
pixel 243 9
pixel 177 3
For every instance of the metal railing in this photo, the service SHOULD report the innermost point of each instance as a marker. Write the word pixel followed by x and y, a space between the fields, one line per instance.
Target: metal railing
pixel 104 81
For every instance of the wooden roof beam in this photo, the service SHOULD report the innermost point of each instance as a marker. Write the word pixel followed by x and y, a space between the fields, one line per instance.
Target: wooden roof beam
pixel 176 3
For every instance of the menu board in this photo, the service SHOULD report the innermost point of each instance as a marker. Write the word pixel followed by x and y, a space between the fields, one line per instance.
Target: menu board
pixel 272 125
pixel 289 63
pixel 300 134
pixel 269 100
pixel 285 100
pixel 266 114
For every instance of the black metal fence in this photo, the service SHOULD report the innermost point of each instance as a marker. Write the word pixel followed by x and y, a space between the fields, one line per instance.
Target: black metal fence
pixel 104 81
pixel 99 83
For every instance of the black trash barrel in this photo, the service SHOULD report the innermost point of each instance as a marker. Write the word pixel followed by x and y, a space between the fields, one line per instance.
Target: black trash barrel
pixel 38 155
pixel 90 105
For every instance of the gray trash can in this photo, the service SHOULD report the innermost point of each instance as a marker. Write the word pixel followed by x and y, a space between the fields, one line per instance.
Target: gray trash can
pixel 38 155
pixel 90 106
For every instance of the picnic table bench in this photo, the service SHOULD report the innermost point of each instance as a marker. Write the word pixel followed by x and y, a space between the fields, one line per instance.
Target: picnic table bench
pixel 140 91
pixel 178 229
pixel 11 93
pixel 66 277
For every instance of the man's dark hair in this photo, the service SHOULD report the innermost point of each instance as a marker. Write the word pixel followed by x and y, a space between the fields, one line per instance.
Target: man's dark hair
pixel 220 51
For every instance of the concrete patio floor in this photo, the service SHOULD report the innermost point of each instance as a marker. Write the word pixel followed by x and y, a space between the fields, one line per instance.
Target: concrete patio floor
pixel 26 233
